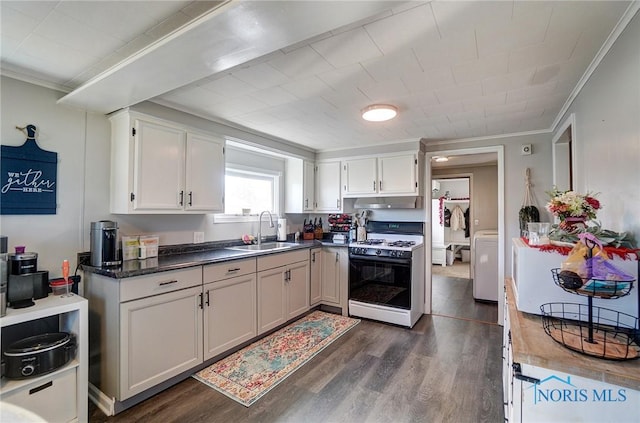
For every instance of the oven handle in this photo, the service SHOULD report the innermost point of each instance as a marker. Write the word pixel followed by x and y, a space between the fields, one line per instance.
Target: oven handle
pixel 391 260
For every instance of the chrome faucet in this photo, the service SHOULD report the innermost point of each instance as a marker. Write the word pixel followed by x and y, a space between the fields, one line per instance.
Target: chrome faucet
pixel 260 225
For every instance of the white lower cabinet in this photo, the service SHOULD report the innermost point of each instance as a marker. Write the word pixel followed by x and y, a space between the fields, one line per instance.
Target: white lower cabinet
pixel 148 329
pixel 315 282
pixel 229 305
pixel 143 331
pixel 161 337
pixel 283 288
pixel 335 276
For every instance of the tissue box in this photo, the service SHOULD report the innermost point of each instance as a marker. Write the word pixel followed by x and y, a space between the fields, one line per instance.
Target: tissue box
pixel 151 242
pixel 130 245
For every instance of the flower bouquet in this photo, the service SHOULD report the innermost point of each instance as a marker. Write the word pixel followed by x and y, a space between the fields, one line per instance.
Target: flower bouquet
pixel 574 211
pixel 572 208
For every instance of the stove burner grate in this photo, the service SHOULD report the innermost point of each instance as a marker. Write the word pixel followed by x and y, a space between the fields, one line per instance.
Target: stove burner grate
pixel 402 244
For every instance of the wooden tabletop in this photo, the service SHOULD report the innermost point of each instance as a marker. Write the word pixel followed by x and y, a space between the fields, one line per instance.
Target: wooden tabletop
pixel 531 345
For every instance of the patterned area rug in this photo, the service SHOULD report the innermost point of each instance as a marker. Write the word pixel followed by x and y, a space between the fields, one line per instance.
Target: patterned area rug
pixel 248 374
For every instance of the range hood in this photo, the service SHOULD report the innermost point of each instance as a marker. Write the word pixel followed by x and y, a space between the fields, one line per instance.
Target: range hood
pixel 388 203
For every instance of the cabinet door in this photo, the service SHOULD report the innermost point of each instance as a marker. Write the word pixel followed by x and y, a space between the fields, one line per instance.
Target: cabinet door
pixel 272 306
pixel 229 314
pixel 398 175
pixel 328 186
pixel 308 191
pixel 315 283
pixel 161 336
pixel 331 275
pixel 297 289
pixel 158 176
pixel 359 177
pixel 204 173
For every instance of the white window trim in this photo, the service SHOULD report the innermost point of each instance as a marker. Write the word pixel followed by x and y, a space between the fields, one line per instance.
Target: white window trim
pixel 277 190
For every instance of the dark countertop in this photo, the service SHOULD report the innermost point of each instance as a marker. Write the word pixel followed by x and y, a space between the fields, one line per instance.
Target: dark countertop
pixel 185 259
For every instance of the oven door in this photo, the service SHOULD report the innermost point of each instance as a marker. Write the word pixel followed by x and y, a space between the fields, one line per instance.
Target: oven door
pixel 380 280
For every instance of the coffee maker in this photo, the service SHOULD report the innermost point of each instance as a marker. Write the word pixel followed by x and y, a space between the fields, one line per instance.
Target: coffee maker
pixel 104 243
pixel 25 283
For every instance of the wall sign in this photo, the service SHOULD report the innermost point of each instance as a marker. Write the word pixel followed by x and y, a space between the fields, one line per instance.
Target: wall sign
pixel 28 177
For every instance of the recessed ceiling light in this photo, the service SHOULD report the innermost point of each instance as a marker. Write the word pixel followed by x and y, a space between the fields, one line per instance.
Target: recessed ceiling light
pixel 441 159
pixel 379 112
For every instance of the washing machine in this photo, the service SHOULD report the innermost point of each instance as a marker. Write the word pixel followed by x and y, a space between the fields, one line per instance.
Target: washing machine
pixel 484 265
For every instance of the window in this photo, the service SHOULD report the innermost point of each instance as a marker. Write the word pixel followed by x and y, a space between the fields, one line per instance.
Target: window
pixel 249 190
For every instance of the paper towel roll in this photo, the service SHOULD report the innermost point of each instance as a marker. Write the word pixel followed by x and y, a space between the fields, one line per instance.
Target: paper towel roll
pixel 282 229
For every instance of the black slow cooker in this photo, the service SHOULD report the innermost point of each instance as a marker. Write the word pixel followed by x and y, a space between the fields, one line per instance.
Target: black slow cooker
pixel 40 354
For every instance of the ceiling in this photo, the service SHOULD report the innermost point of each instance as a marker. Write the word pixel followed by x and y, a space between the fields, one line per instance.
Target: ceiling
pixel 301 71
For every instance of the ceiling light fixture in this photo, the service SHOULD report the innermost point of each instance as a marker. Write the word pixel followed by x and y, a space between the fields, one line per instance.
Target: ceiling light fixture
pixel 441 159
pixel 379 112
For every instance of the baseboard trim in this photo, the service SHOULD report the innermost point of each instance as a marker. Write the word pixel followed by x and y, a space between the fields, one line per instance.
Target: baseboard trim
pixel 103 402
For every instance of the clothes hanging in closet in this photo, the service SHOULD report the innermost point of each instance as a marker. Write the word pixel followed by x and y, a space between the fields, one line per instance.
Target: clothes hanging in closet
pixel 457 219
pixel 447 218
pixel 467 230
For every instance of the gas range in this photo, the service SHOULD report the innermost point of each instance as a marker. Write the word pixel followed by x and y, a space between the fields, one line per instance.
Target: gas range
pixel 386 273
pixel 393 242
pixel 384 247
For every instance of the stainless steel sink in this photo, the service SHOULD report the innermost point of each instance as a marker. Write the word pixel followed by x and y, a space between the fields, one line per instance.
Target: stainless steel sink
pixel 265 246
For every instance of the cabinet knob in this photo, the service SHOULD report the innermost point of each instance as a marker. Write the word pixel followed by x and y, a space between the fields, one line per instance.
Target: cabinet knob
pixel 337 257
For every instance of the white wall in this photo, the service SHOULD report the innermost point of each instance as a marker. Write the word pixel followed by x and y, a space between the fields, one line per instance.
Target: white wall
pixel 607 133
pixel 53 237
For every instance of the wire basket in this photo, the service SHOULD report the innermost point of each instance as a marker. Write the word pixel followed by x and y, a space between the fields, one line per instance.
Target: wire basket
pixel 590 287
pixel 594 331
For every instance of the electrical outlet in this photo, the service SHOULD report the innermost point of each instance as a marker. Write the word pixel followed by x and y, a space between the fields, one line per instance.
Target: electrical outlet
pixel 476 222
pixel 198 237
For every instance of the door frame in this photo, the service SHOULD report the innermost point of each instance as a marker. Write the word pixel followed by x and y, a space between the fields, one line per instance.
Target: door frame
pixel 499 150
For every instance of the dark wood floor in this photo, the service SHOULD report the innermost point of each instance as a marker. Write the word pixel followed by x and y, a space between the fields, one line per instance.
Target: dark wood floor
pixel 445 369
pixel 453 297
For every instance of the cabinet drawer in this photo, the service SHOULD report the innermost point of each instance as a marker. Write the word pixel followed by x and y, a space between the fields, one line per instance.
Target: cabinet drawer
pixel 53 398
pixel 220 271
pixel 159 283
pixel 282 259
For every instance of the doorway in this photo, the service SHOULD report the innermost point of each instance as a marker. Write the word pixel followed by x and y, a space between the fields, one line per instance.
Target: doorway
pixel 454 297
pixel 451 217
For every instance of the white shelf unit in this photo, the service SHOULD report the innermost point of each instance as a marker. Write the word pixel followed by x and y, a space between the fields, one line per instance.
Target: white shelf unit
pixel 46 402
pixel 443 238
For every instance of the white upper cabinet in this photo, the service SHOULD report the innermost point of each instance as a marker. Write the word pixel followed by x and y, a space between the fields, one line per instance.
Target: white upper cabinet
pixel 299 186
pixel 158 172
pixel 328 198
pixel 360 176
pixel 158 167
pixel 389 175
pixel 204 173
